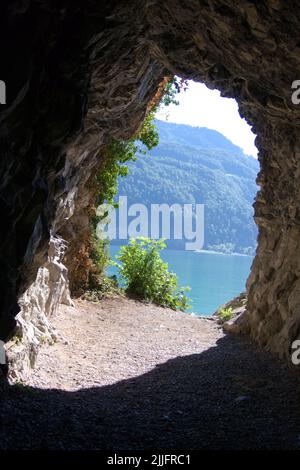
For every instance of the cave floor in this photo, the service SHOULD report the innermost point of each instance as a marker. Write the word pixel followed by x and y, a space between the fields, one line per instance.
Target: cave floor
pixel 126 376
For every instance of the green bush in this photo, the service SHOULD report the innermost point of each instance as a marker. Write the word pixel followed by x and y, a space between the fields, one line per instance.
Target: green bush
pixel 225 314
pixel 145 274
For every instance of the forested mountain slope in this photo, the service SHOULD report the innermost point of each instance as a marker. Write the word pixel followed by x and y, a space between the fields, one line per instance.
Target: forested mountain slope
pixel 199 165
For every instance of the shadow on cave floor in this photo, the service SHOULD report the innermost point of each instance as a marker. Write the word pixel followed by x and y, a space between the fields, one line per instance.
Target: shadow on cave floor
pixel 232 396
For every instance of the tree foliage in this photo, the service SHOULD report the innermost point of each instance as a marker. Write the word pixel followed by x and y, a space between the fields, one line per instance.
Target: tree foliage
pixel 145 274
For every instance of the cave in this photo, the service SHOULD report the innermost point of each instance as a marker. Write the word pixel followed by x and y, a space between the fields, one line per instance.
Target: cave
pixel 77 74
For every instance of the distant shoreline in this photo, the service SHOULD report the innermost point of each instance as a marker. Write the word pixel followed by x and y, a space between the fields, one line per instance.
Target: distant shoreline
pixel 213 252
pixel 208 252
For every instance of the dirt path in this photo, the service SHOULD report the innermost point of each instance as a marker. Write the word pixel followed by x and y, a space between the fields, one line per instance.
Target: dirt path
pixel 134 376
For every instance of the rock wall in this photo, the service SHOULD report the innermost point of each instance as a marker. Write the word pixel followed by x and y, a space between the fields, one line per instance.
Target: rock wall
pixel 273 286
pixel 79 73
pixel 39 302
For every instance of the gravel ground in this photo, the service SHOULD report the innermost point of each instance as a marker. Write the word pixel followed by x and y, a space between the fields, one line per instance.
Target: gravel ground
pixel 130 376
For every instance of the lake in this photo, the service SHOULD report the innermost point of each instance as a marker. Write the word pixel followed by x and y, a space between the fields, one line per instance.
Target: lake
pixel 214 278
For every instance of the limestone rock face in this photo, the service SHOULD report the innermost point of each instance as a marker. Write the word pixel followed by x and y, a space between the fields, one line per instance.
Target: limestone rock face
pixel 76 76
pixel 79 73
pixel 38 303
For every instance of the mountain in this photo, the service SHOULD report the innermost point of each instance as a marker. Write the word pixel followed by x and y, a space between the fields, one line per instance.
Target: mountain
pixel 199 165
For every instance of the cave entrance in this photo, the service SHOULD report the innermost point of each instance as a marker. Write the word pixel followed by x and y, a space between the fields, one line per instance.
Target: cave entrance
pixel 195 189
pixel 68 102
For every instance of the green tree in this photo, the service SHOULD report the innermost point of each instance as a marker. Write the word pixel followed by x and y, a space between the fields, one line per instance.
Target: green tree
pixel 146 275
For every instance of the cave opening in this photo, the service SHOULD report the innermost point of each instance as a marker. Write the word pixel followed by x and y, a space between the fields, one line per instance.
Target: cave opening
pixel 205 159
pixel 75 77
pixel 62 108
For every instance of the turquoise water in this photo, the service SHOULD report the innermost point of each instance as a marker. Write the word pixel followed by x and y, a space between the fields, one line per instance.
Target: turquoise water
pixel 214 279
